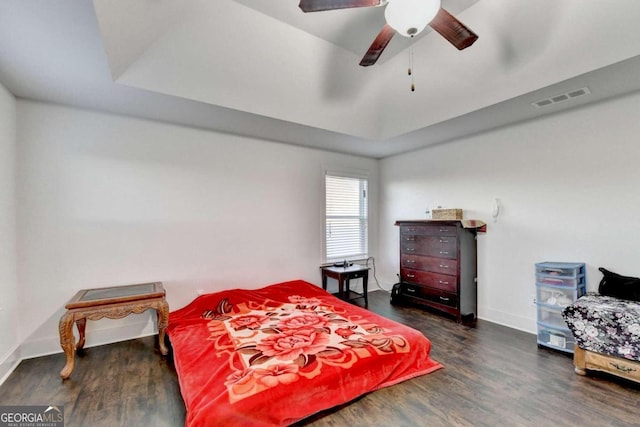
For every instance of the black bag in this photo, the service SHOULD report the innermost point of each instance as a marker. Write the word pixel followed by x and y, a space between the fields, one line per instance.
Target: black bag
pixel 615 285
pixel 395 294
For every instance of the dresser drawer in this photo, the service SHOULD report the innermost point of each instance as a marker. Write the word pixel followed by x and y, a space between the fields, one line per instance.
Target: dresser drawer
pixel 429 230
pixel 433 280
pixel 426 263
pixel 429 294
pixel 435 246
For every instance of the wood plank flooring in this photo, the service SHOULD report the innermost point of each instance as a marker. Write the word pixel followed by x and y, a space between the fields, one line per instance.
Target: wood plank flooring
pixel 493 376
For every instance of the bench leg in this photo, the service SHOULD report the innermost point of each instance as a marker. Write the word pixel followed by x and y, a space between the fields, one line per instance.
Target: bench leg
pixel 579 363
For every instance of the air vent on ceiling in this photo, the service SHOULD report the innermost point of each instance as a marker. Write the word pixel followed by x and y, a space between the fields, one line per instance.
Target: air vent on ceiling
pixel 556 99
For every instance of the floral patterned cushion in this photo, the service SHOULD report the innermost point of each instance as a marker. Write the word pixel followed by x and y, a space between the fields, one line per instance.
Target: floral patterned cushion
pixel 605 325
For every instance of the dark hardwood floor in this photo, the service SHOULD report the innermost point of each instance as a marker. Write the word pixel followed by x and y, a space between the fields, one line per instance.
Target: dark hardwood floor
pixel 493 376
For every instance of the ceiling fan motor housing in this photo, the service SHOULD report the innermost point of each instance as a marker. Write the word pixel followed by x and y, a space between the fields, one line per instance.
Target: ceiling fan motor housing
pixel 410 17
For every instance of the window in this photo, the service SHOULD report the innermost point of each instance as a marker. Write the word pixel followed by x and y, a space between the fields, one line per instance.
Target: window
pixel 346 217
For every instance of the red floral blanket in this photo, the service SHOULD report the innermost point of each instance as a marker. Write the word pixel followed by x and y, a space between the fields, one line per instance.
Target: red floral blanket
pixel 276 355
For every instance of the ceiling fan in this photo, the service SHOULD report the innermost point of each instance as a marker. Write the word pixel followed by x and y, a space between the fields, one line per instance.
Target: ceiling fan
pixel 406 17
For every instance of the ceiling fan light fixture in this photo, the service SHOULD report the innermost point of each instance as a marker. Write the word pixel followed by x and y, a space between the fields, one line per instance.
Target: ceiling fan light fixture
pixel 410 17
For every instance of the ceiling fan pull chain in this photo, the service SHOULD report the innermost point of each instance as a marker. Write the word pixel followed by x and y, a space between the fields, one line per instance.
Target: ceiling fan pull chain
pixel 410 72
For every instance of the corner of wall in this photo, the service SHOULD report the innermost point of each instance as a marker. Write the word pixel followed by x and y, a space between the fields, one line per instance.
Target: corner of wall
pixel 9 341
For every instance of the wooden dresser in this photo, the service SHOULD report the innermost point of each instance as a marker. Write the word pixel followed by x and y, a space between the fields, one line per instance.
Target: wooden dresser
pixel 438 267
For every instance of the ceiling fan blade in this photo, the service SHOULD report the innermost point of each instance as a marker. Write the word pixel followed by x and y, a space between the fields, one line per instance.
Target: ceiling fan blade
pixel 320 5
pixel 453 30
pixel 375 50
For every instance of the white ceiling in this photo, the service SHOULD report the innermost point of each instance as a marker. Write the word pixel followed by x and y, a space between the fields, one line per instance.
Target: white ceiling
pixel 262 68
pixel 351 29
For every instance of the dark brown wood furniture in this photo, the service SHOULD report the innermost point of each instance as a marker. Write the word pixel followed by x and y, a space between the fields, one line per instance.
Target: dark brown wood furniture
pixel 343 275
pixel 438 266
pixel 114 303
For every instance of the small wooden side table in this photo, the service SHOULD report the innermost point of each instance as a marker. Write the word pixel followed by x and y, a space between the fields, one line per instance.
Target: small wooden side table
pixel 343 275
pixel 113 302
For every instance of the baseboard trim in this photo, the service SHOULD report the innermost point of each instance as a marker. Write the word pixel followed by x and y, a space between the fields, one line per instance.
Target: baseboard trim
pixel 520 323
pixel 95 337
pixel 9 363
pixel 51 345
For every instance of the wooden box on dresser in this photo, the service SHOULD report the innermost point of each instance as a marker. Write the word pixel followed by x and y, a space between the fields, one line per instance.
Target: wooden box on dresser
pixel 438 267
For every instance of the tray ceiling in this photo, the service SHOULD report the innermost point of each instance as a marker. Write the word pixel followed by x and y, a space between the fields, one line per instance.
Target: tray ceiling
pixel 264 69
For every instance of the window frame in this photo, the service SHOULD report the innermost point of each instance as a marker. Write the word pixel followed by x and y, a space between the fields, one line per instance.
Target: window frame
pixel 364 231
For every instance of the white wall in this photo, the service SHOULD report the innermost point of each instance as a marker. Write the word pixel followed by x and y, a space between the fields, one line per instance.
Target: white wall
pixel 109 200
pixel 8 281
pixel 568 184
pixel 104 200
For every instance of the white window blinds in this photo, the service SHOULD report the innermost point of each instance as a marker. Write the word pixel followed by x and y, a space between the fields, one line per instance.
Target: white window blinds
pixel 346 218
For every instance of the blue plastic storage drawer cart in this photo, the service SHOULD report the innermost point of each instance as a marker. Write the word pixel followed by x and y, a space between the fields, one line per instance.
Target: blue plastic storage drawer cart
pixel 558 284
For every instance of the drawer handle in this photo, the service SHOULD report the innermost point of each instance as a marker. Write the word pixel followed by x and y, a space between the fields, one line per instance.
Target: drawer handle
pixel 444 252
pixel 443 283
pixel 411 261
pixel 410 239
pixel 413 291
pixel 444 241
pixel 622 367
pixel 444 230
pixel 411 276
pixel 443 266
pixel 411 229
pixel 410 249
pixel 444 298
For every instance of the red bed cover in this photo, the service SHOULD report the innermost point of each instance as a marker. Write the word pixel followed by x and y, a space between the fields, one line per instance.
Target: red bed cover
pixel 276 355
